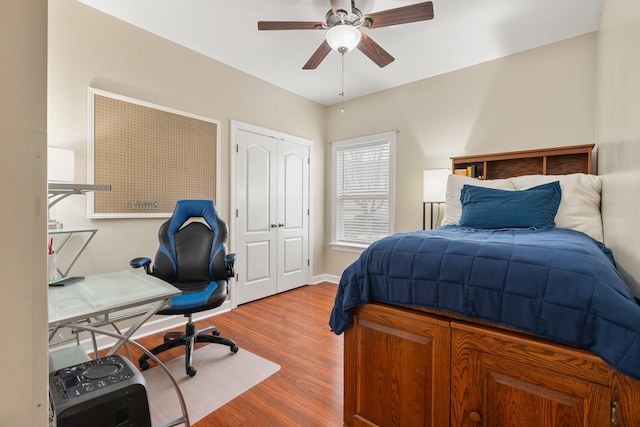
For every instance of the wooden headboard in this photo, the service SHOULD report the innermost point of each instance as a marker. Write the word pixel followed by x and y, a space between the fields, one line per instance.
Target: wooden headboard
pixel 545 161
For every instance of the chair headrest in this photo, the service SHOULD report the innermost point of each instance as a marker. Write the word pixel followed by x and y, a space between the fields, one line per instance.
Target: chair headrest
pixel 186 209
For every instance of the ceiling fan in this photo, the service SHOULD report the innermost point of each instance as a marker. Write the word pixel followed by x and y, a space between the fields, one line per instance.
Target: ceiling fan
pixel 343 22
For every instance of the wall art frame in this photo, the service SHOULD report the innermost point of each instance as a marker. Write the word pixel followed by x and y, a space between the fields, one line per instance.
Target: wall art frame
pixel 151 155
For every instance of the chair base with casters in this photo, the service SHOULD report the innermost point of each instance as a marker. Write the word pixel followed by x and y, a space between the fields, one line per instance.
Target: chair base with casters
pixel 188 339
pixel 192 257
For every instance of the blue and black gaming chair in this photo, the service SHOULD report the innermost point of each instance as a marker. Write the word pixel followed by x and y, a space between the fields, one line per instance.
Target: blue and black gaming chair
pixel 192 257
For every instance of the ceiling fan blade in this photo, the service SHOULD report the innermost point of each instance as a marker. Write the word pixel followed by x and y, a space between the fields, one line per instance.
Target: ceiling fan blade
pixel 317 56
pixel 400 15
pixel 373 50
pixel 290 25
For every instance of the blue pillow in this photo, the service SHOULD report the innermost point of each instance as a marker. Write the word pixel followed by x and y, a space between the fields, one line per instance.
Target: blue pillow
pixel 490 208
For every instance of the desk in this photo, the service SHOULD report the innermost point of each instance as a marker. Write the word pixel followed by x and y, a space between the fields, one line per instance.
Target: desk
pixel 103 299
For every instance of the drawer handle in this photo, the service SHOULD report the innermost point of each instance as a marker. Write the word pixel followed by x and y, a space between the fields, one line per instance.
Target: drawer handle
pixel 475 417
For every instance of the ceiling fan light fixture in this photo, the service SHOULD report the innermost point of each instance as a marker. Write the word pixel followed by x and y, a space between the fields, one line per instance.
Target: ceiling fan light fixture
pixel 343 38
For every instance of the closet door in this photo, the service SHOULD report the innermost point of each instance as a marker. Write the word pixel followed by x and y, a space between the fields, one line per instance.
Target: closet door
pixel 293 215
pixel 256 216
pixel 271 186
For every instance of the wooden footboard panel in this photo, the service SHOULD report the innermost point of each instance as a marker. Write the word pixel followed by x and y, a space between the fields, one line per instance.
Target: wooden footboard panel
pixel 406 367
pixel 392 365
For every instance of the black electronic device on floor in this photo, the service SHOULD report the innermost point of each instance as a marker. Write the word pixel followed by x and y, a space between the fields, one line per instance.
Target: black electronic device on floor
pixel 105 392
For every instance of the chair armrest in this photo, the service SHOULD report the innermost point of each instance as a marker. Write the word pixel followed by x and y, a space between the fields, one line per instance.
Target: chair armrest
pixel 229 260
pixel 141 262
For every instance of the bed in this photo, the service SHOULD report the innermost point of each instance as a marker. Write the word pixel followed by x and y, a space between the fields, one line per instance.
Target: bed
pixel 510 314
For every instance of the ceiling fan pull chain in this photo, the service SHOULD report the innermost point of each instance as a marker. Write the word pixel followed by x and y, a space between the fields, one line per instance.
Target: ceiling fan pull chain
pixel 342 83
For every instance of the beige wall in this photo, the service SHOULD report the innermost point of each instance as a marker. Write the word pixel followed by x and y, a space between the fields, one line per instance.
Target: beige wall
pixel 89 48
pixel 539 98
pixel 23 84
pixel 618 95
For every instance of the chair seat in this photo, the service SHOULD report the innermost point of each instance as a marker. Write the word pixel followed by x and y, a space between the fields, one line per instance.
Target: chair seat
pixel 196 297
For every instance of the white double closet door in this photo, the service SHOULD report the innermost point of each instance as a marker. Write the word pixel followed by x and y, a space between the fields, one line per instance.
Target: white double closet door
pixel 271 224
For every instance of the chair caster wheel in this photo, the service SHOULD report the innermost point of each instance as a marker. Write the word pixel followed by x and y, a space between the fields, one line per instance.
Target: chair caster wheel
pixel 144 365
pixel 234 349
pixel 191 371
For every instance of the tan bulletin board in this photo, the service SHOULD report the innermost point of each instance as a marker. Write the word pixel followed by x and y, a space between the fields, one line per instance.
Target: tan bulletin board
pixel 152 156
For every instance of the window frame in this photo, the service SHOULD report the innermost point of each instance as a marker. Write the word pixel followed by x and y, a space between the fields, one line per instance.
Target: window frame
pixel 358 142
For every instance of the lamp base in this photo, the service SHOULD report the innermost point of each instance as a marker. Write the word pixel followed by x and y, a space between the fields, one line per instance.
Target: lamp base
pixel 424 215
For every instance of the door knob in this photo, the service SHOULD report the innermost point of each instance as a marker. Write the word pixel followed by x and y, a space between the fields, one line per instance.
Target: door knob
pixel 281 224
pixel 475 417
pixel 274 225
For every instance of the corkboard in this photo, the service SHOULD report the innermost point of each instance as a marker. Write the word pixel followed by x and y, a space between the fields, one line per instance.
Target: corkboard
pixel 152 156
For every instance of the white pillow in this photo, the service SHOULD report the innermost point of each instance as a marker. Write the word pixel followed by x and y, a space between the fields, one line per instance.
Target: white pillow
pixel 453 207
pixel 579 207
pixel 580 204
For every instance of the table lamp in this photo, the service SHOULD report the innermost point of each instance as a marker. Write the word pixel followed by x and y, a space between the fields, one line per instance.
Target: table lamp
pixel 434 189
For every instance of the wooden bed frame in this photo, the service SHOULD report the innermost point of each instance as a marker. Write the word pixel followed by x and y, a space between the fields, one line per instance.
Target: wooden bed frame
pixel 418 367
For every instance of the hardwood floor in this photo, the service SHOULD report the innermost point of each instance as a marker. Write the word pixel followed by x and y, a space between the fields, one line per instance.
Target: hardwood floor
pixel 290 329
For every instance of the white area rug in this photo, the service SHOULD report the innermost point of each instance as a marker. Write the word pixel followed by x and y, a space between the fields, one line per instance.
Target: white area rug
pixel 221 377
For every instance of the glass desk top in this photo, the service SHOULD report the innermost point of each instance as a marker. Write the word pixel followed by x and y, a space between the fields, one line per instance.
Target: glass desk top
pixel 105 293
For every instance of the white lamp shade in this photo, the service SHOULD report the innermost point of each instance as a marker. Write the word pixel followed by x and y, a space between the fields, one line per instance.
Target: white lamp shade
pixel 60 165
pixel 343 38
pixel 434 185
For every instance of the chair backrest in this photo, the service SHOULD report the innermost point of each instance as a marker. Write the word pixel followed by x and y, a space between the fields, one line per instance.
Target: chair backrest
pixel 192 244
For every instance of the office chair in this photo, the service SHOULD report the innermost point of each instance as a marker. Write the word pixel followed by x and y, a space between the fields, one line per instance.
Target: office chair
pixel 192 257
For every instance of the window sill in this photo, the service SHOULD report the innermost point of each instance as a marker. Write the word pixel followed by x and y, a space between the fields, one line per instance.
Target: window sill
pixel 348 247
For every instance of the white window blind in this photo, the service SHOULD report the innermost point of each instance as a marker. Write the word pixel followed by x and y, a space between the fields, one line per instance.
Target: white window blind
pixel 363 171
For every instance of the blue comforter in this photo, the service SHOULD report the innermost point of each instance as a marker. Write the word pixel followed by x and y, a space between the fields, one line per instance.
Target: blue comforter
pixel 559 284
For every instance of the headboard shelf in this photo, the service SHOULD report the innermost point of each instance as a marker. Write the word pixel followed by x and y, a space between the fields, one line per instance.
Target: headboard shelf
pixel 545 161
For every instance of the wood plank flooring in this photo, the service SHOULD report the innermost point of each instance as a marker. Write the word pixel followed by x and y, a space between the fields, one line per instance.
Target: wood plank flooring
pixel 290 329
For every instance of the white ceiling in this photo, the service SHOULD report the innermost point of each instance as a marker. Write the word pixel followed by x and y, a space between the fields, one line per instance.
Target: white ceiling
pixel 462 33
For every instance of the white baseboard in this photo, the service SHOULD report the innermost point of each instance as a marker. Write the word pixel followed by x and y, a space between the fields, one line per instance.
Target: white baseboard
pixel 325 278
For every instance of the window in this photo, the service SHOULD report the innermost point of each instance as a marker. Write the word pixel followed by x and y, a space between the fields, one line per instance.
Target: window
pixel 363 179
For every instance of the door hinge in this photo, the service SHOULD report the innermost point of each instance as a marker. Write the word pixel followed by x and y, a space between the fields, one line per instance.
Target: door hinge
pixel 237 277
pixel 614 413
pixel 237 148
pixel 236 213
pixel 308 262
